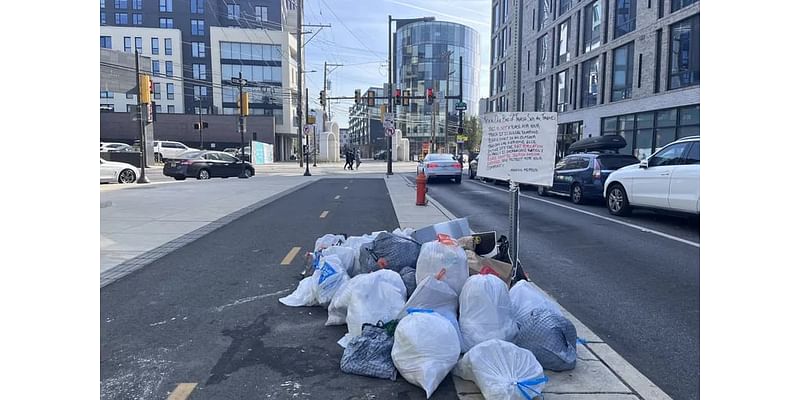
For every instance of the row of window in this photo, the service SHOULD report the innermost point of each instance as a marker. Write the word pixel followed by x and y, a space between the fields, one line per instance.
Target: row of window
pixel 624 13
pixel 250 51
pixel 255 73
pixel 647 132
pixel 163 5
pixel 104 107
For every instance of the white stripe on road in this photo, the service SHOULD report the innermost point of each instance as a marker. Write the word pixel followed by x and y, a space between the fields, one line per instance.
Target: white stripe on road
pixel 337 197
pixel 641 228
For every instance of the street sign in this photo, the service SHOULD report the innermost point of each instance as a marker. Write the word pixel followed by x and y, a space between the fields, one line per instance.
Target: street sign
pixel 461 138
pixel 389 131
pixel 307 129
pixel 236 81
pixel 461 106
pixel 388 121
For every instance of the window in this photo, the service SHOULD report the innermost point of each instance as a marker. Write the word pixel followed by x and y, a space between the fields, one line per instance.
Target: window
pixel 129 96
pixel 200 91
pixel 684 51
pixel 545 11
pixel 505 10
pixel 165 5
pixel 158 108
pixel 165 23
pixel 563 41
pixel 137 4
pixel 198 49
pixel 196 6
pixel 199 71
pixel 121 18
pixel 564 6
pixel 625 17
pixel 154 45
pixel 139 47
pixel 670 155
pixel 168 68
pixel 156 67
pixel 657 72
pixel 170 108
pixel 562 96
pixel 590 79
pixel 126 42
pixel 120 3
pixel 540 96
pixel 233 11
pixel 157 91
pixel 622 78
pixel 106 95
pixel 198 27
pixel 261 13
pixel 693 156
pixel 105 42
pixel 102 17
pixel 168 46
pixel 226 157
pixel 171 92
pixel 102 4
pixel 529 60
pixel 592 17
pixel 678 4
pixel 542 52
pixel 137 19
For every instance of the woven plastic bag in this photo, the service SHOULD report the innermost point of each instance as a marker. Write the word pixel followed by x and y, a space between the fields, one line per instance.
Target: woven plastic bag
pixel 328 240
pixel 345 254
pixel 409 279
pixel 379 296
pixel 355 243
pixel 443 253
pixel 525 297
pixel 304 294
pixel 434 294
pixel 550 337
pixel 502 371
pixel 388 251
pixel 370 354
pixel 425 349
pixel 485 310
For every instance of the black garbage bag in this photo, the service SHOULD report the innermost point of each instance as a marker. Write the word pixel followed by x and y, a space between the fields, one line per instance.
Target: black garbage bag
pixel 370 354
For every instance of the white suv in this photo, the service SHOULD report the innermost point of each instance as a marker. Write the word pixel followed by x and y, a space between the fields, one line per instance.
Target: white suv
pixel 163 149
pixel 667 180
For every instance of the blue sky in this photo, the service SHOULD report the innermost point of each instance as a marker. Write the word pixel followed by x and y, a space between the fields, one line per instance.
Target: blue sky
pixel 358 38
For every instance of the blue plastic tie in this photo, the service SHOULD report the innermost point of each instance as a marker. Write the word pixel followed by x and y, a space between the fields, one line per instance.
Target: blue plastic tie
pixel 524 386
pixel 420 310
pixel 581 341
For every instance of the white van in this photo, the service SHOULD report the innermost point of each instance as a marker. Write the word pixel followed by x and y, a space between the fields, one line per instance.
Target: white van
pixel 164 149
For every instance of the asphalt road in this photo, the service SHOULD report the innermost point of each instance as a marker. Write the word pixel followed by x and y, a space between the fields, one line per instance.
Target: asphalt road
pixel 637 290
pixel 208 313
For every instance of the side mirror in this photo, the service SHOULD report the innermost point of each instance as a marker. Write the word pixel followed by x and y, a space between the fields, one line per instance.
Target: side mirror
pixel 643 164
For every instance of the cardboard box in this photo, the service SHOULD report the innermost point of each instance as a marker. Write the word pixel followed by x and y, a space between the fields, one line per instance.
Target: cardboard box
pixel 483 265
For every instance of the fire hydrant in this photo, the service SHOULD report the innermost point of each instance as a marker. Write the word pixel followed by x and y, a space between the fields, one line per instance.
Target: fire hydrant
pixel 421 187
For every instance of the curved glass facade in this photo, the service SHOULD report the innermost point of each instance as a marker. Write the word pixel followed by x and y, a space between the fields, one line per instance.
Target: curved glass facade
pixel 421 62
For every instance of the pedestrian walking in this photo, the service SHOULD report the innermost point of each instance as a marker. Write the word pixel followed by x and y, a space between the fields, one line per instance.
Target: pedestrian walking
pixel 346 158
pixel 358 158
pixel 351 155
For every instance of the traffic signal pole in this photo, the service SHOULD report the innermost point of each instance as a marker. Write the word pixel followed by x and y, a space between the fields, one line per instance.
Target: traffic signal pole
pixel 242 113
pixel 389 107
pixel 140 116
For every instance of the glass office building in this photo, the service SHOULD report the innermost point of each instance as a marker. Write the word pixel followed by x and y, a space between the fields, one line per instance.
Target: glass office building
pixel 421 62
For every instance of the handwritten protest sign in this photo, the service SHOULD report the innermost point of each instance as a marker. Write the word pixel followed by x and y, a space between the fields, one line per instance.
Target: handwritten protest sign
pixel 519 146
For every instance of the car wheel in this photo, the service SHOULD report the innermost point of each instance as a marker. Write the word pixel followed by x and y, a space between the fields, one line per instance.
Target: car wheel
pixel 617 201
pixel 127 176
pixel 203 174
pixel 180 178
pixel 458 179
pixel 248 172
pixel 541 191
pixel 576 194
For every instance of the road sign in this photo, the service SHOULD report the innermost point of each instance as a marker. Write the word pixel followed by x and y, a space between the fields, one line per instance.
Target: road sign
pixel 388 121
pixel 389 131
pixel 236 81
pixel 461 138
pixel 461 106
pixel 307 129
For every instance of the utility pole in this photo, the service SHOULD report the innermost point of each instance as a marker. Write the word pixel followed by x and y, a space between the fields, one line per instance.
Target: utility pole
pixel 434 111
pixel 460 94
pixel 142 138
pixel 447 54
pixel 300 118
pixel 325 104
pixel 306 146
pixel 242 127
pixel 200 126
pixel 389 107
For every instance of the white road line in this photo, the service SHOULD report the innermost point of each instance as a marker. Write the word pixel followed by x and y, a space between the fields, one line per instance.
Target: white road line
pixel 252 298
pixel 324 214
pixel 641 228
pixel 337 197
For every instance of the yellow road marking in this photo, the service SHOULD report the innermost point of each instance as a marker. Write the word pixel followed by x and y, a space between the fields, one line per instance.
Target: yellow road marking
pixel 182 391
pixel 290 256
pixel 324 214
pixel 337 197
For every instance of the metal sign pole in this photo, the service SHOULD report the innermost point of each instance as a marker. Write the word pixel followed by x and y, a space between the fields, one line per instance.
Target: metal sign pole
pixel 513 232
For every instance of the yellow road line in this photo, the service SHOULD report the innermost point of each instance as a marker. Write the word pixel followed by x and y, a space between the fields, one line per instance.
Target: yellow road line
pixel 182 391
pixel 337 197
pixel 324 214
pixel 290 256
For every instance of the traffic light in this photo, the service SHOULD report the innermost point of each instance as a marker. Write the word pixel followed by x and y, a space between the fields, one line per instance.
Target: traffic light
pixel 144 89
pixel 398 97
pixel 370 98
pixel 322 98
pixel 429 96
pixel 406 97
pixel 358 96
pixel 244 104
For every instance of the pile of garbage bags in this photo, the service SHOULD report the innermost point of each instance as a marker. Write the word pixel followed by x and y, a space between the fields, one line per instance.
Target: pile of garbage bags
pixel 428 308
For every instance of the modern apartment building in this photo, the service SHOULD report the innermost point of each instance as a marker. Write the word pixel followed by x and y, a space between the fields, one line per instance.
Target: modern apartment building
pixel 622 67
pixel 365 124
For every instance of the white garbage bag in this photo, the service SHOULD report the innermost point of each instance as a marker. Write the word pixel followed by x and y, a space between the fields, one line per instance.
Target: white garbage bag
pixel 379 296
pixel 337 310
pixel 331 276
pixel 345 254
pixel 443 254
pixel 433 294
pixel 304 294
pixel 425 349
pixel 502 371
pixel 403 232
pixel 328 240
pixel 485 310
pixel 525 297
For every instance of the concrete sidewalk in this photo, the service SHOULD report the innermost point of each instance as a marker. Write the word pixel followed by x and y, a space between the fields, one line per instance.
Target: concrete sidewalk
pixel 600 373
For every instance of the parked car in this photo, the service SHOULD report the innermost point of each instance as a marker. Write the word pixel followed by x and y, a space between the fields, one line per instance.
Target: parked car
pixel 231 150
pixel 246 153
pixel 441 166
pixel 114 171
pixel 381 155
pixel 115 147
pixel 167 150
pixel 667 180
pixel 581 176
pixel 204 164
pixel 473 167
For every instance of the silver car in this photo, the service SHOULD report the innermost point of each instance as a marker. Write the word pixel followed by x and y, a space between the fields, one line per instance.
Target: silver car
pixel 441 166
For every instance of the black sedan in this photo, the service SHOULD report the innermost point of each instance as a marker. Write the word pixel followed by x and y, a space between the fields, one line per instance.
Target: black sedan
pixel 205 165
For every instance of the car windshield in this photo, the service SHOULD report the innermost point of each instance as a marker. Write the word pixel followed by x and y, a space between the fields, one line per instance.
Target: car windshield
pixel 191 154
pixel 439 157
pixel 616 161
